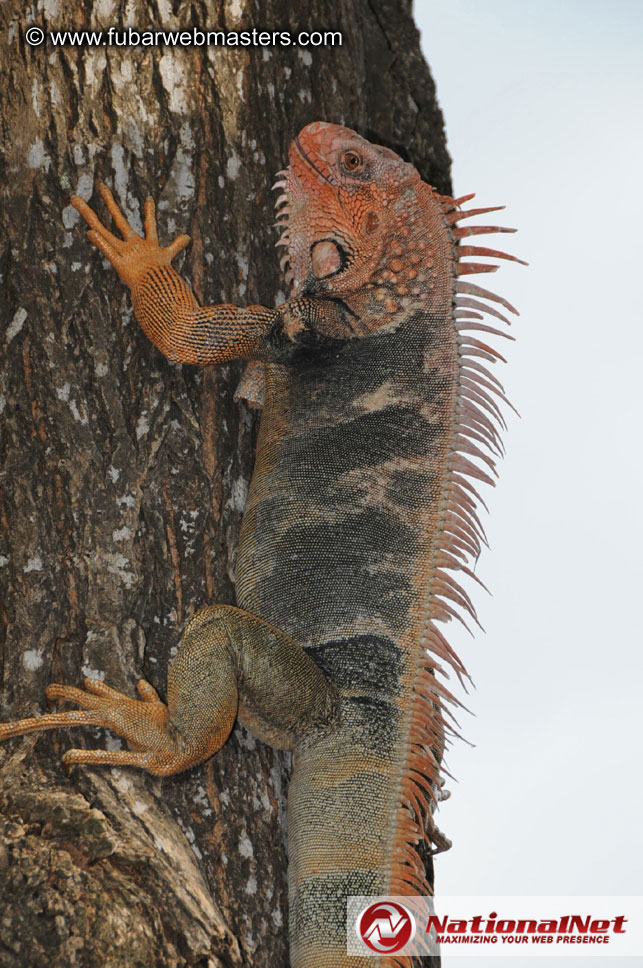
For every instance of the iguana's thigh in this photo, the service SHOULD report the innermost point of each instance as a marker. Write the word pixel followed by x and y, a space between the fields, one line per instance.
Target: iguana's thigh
pixel 231 662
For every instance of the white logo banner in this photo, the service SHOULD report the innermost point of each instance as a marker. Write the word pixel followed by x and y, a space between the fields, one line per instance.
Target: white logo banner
pixel 534 927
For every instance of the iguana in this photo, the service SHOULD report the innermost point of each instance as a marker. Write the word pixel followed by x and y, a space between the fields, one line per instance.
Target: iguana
pixel 380 411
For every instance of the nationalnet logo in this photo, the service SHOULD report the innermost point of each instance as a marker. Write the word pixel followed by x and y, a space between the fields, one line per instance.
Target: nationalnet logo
pixel 469 926
pixel 386 926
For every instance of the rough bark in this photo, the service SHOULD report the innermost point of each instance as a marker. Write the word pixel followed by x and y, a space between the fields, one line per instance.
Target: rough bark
pixel 123 476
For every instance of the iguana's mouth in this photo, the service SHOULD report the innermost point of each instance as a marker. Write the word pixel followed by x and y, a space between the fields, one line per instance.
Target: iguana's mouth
pixel 291 207
pixel 308 159
pixel 300 184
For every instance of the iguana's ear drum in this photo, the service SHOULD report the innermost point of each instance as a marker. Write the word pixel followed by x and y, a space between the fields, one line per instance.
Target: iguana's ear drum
pixel 326 259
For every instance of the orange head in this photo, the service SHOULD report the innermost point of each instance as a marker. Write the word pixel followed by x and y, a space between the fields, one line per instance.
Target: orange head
pixel 340 204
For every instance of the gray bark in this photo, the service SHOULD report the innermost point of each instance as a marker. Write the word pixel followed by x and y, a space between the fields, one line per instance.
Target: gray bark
pixel 123 476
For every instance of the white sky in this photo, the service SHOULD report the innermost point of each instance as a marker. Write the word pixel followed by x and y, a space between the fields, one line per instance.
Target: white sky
pixel 543 108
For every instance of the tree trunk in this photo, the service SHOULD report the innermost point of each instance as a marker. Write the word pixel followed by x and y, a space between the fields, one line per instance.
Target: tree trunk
pixel 124 477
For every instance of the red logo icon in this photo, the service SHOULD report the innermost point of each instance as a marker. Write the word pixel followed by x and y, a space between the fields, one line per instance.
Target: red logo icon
pixel 385 926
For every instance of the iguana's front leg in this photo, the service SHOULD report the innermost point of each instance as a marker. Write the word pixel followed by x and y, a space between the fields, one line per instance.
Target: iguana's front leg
pixel 229 663
pixel 185 332
pixel 164 303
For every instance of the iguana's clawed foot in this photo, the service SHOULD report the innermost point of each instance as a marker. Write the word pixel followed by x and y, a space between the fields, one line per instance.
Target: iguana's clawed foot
pixel 131 256
pixel 142 722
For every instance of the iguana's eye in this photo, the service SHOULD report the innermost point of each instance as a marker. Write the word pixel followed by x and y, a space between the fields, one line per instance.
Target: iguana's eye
pixel 351 160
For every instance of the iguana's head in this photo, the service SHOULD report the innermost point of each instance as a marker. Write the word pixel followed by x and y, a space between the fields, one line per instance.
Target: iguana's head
pixel 340 203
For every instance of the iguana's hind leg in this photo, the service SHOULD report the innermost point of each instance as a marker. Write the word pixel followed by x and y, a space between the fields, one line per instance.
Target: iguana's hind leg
pixel 229 663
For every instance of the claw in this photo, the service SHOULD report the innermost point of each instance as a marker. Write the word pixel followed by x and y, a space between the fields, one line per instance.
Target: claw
pixel 36 724
pixel 78 757
pixel 147 692
pixel 120 221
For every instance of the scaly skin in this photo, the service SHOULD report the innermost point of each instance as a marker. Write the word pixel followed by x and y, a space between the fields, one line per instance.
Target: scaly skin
pixel 361 508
